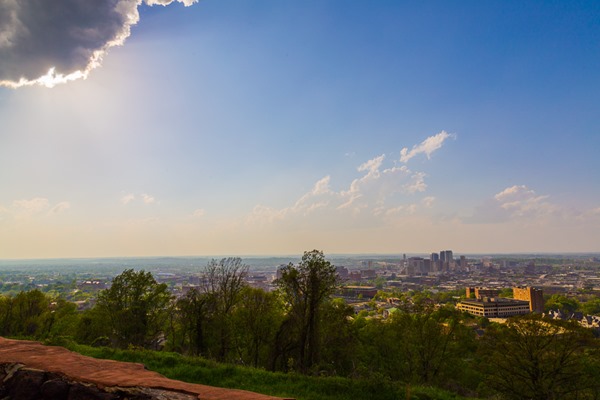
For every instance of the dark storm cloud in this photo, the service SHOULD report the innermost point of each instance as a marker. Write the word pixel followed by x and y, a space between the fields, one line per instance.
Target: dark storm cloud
pixel 52 41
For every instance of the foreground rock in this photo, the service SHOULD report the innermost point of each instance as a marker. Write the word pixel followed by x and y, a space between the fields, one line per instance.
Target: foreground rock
pixel 30 370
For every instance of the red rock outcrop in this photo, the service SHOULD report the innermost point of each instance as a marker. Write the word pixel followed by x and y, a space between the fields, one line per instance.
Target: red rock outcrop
pixel 30 370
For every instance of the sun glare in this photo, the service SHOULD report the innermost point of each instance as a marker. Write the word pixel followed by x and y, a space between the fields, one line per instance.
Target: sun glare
pixel 49 80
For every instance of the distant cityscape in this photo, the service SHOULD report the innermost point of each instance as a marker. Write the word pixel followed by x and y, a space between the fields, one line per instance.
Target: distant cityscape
pixel 383 305
pixel 523 280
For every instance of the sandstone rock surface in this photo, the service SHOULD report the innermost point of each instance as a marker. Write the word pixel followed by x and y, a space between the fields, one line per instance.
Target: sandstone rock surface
pixel 30 370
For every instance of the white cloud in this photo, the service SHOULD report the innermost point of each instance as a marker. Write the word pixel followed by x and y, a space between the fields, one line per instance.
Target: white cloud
pixel 321 187
pixel 145 197
pixel 517 202
pixel 401 210
pixel 428 201
pixel 27 208
pixel 513 192
pixel 377 192
pixel 377 186
pixel 417 183
pixel 317 198
pixel 372 166
pixel 262 215
pixel 128 198
pixel 427 147
pixel 380 190
pixel 187 3
pixel 60 207
pixel 51 42
pixel 148 199
pixel 199 212
pixel 521 201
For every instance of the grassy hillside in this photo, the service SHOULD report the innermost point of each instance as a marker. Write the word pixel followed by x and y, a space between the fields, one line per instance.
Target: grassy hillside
pixel 198 370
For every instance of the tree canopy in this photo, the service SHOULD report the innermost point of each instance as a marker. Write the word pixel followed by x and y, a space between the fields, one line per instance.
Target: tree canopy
pixel 533 358
pixel 135 307
pixel 304 288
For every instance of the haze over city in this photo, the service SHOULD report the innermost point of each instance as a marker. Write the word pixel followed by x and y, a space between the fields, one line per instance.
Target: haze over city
pixel 246 128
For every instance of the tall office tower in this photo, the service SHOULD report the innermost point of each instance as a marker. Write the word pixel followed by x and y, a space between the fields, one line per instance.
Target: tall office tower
pixel 427 266
pixel 463 262
pixel 446 260
pixel 416 264
pixel 446 256
pixel 435 262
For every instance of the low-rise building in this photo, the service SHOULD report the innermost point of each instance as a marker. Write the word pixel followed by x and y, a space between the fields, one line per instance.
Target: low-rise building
pixel 494 307
pixel 359 291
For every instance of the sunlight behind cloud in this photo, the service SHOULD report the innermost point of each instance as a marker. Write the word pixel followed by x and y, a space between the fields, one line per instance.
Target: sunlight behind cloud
pixel 52 42
pixel 231 127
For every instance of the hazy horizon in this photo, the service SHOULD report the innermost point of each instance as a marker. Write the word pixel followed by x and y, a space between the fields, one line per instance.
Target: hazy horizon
pixel 298 256
pixel 278 127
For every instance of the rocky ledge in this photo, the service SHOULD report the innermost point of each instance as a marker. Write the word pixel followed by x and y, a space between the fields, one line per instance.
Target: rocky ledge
pixel 30 370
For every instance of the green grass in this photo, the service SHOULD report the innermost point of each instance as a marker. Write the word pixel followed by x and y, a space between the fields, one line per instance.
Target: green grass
pixel 300 387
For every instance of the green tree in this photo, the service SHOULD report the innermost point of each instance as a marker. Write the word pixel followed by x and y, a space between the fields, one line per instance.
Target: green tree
pixel 195 311
pixel 563 303
pixel 338 338
pixel 93 327
pixel 530 358
pixel 6 321
pixel 206 312
pixel 256 322
pixel 431 342
pixel 30 313
pixel 506 292
pixel 135 306
pixel 417 345
pixel 26 314
pixel 225 280
pixel 304 289
pixel 63 318
pixel 380 282
pixel 591 307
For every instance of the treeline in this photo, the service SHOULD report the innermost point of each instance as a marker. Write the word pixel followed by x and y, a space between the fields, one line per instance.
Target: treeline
pixel 300 327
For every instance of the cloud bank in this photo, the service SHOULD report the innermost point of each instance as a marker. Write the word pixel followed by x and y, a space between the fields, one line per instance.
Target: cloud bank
pixel 379 192
pixel 51 42
pixel 25 209
pixel 131 197
pixel 517 202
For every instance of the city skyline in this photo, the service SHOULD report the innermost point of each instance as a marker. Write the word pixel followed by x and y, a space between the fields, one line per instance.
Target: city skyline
pixel 249 128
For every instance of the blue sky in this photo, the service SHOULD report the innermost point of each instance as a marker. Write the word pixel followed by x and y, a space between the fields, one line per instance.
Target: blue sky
pixel 241 127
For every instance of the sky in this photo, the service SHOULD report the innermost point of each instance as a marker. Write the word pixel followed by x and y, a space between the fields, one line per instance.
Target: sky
pixel 175 128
